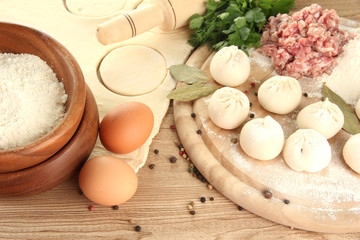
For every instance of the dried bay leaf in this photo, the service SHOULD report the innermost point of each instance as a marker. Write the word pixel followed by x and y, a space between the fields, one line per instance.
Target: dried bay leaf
pixel 192 92
pixel 351 122
pixel 187 74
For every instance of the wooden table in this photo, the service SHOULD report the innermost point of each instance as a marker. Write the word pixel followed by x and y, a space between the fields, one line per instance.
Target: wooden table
pixel 160 205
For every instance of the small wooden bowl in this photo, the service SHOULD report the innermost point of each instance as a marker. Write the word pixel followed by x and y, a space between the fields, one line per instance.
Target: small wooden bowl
pixel 21 39
pixel 61 166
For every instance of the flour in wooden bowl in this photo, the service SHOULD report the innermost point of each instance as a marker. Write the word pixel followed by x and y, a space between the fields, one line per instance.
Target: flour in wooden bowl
pixel 32 99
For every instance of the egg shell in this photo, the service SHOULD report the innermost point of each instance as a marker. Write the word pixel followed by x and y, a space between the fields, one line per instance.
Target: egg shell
pixel 107 180
pixel 126 127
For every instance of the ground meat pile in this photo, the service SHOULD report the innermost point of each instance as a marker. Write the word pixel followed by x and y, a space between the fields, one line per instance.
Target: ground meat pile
pixel 304 44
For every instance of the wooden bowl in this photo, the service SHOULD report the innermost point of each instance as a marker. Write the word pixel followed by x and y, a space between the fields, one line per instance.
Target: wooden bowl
pixel 21 39
pixel 61 166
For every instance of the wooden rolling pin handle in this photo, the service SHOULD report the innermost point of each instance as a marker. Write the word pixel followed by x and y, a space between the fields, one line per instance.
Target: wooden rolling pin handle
pixel 129 24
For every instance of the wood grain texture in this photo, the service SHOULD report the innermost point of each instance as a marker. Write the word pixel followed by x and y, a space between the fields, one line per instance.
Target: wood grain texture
pixel 21 39
pixel 160 203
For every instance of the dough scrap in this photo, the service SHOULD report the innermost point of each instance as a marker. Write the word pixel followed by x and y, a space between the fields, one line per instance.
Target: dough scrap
pixel 133 70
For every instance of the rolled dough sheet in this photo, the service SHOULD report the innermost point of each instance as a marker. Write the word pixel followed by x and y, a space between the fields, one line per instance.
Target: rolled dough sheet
pixel 77 34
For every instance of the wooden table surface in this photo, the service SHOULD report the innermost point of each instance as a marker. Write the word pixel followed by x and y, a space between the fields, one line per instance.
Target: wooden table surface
pixel 160 205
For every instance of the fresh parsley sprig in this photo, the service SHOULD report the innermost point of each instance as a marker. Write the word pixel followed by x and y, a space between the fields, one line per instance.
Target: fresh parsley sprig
pixel 234 22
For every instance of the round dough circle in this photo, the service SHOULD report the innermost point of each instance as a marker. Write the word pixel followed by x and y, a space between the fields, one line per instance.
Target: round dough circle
pixel 94 8
pixel 228 107
pixel 280 94
pixel 307 150
pixel 230 66
pixel 323 116
pixel 262 138
pixel 357 108
pixel 133 70
pixel 351 152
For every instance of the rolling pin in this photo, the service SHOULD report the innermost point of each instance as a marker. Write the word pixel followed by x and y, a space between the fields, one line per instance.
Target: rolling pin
pixel 165 14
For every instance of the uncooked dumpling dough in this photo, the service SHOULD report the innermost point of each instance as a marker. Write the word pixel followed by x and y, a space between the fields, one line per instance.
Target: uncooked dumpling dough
pixel 94 8
pixel 307 150
pixel 280 94
pixel 351 152
pixel 228 107
pixel 357 108
pixel 262 138
pixel 323 116
pixel 230 66
pixel 133 70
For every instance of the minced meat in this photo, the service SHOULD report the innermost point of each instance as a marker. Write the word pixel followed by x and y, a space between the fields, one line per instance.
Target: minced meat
pixel 304 44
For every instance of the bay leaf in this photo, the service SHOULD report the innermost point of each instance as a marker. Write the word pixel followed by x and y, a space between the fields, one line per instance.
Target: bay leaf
pixel 351 122
pixel 192 92
pixel 187 74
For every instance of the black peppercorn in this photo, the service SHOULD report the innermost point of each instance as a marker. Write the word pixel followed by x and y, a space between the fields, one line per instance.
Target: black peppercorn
pixel 267 193
pixel 193 115
pixel 115 207
pixel 138 228
pixel 173 159
pixel 156 151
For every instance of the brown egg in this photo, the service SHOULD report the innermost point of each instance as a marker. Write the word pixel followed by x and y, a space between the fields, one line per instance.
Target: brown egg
pixel 126 127
pixel 107 180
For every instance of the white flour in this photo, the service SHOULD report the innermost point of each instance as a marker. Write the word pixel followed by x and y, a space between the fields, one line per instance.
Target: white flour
pixel 32 100
pixel 344 79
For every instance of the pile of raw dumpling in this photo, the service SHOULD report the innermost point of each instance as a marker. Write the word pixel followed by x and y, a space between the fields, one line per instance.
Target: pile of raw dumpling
pixel 307 149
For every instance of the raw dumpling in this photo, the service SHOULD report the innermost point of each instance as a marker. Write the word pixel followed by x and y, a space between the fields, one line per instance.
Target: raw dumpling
pixel 230 66
pixel 228 107
pixel 262 138
pixel 307 150
pixel 351 152
pixel 323 116
pixel 280 94
pixel 357 108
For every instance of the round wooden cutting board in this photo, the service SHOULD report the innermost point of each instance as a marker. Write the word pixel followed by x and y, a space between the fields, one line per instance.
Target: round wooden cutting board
pixel 326 201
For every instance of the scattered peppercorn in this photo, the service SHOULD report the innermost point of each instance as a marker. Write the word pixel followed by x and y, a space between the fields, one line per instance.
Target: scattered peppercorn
pixel 115 207
pixel 180 146
pixel 189 206
pixel 192 203
pixel 137 228
pixel 156 151
pixel 240 208
pixel 286 201
pixel 91 208
pixel 250 104
pixel 209 186
pixel 192 212
pixel 252 84
pixel 203 199
pixel 256 94
pixel 267 194
pixel 151 166
pixel 193 115
pixel 211 198
pixel 252 115
pixel 172 127
pixel 306 95
pixel 234 140
pixel 198 131
pixel 184 156
pixel 173 159
pixel 246 92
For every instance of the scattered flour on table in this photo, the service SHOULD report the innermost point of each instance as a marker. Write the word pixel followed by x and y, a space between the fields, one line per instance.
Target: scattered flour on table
pixel 32 99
